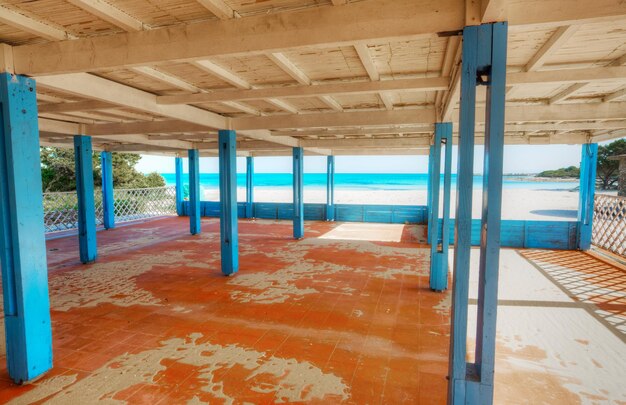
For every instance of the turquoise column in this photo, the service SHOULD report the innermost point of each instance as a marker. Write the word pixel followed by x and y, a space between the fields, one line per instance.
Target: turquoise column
pixel 22 241
pixel 440 239
pixel 330 188
pixel 588 165
pixel 83 159
pixel 483 63
pixel 429 191
pixel 249 187
pixel 194 192
pixel 178 167
pixel 108 204
pixel 298 198
pixel 228 202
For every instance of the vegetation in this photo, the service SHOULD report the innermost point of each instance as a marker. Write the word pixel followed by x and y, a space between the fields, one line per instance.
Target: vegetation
pixel 607 171
pixel 58 171
pixel 563 172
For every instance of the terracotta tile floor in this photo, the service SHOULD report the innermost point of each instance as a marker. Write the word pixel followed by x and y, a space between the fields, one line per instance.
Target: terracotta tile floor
pixel 316 320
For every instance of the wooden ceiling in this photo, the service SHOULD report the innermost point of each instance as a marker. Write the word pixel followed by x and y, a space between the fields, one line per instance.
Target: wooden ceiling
pixel 340 77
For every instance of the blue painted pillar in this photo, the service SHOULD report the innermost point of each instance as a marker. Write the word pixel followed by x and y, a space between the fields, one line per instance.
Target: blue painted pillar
pixel 429 193
pixel 483 63
pixel 588 164
pixel 440 238
pixel 228 202
pixel 108 205
pixel 22 241
pixel 83 155
pixel 178 163
pixel 298 198
pixel 194 192
pixel 330 188
pixel 249 187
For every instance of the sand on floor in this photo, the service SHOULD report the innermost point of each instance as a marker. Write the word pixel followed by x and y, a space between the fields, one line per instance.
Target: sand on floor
pixel 555 205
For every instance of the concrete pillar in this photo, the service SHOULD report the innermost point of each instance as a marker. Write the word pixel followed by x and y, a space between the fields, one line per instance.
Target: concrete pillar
pixel 298 198
pixel 22 235
pixel 108 202
pixel 588 164
pixel 249 187
pixel 330 188
pixel 194 192
pixel 83 159
pixel 228 202
pixel 178 167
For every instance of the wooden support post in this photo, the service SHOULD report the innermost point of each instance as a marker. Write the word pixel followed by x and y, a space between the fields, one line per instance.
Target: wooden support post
pixel 330 188
pixel 228 202
pixel 440 238
pixel 108 202
pixel 483 63
pixel 22 241
pixel 588 163
pixel 249 187
pixel 83 158
pixel 298 198
pixel 178 163
pixel 194 192
pixel 429 193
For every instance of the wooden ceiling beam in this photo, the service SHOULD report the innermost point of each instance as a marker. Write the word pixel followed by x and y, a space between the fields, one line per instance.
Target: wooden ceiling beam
pixel 110 14
pixel 419 84
pixel 37 27
pixel 219 8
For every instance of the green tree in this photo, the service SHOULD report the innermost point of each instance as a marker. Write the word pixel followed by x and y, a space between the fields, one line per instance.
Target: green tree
pixel 607 170
pixel 571 171
pixel 58 171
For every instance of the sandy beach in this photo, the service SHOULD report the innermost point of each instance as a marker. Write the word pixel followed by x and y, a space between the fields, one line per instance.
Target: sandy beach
pixel 558 205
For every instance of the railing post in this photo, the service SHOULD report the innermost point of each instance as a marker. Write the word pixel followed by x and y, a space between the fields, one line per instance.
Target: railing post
pixel 178 163
pixel 429 192
pixel 108 202
pixel 588 163
pixel 228 202
pixel 194 192
pixel 22 241
pixel 330 188
pixel 249 187
pixel 298 200
pixel 83 158
pixel 483 63
pixel 440 239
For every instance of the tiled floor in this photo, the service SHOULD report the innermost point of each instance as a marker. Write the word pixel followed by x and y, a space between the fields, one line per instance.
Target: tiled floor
pixel 318 320
pixel 342 316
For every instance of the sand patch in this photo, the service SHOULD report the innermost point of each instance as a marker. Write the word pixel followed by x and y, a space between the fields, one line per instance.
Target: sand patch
pixel 287 380
pixel 110 282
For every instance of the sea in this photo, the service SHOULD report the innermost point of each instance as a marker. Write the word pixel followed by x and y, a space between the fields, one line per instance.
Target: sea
pixel 370 181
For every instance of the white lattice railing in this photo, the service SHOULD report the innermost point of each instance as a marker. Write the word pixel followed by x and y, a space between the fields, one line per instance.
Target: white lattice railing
pixel 61 209
pixel 139 203
pixel 609 223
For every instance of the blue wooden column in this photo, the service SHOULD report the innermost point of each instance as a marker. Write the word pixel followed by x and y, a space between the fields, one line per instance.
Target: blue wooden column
pixel 194 191
pixel 588 164
pixel 330 188
pixel 228 202
pixel 249 187
pixel 440 237
pixel 83 154
pixel 22 241
pixel 108 205
pixel 483 63
pixel 298 198
pixel 178 163
pixel 429 194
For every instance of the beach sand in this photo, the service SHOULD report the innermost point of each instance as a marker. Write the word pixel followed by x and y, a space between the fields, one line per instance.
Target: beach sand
pixel 557 205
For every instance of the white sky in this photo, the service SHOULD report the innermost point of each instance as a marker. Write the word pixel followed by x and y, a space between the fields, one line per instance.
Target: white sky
pixel 517 159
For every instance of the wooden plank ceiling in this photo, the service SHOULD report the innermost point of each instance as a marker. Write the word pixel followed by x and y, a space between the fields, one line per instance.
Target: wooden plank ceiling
pixel 340 76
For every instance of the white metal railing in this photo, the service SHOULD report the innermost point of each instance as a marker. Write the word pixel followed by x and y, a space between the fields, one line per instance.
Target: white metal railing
pixel 609 223
pixel 61 209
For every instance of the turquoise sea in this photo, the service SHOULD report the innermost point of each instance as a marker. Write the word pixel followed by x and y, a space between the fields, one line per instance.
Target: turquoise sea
pixel 367 181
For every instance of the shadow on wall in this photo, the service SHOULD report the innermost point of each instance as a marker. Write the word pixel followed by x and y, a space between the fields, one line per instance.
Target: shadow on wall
pixel 557 213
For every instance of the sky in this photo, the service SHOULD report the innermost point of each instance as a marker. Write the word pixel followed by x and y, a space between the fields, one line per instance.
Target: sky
pixel 517 159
